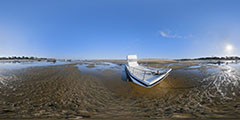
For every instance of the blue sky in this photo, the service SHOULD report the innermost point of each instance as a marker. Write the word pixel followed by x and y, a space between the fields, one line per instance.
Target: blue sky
pixel 112 29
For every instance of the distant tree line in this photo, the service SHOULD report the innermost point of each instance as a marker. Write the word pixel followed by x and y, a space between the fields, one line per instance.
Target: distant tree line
pixel 219 58
pixel 21 58
pixel 214 58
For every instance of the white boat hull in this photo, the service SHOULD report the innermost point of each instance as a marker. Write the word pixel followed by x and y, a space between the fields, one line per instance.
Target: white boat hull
pixel 141 83
pixel 143 76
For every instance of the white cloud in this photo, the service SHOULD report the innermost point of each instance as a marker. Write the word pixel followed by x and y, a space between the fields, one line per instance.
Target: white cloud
pixel 163 34
pixel 169 34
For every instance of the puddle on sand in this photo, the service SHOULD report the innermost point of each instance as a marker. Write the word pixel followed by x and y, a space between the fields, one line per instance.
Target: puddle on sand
pixel 195 66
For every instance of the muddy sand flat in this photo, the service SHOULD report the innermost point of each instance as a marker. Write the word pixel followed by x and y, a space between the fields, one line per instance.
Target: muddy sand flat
pixel 101 91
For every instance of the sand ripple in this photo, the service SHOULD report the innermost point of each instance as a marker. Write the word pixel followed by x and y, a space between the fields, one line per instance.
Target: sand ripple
pixel 67 91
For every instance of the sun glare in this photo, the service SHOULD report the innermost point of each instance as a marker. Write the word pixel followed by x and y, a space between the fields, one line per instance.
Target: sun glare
pixel 229 48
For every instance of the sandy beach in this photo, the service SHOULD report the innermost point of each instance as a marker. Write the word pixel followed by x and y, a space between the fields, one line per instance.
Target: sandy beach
pixel 101 90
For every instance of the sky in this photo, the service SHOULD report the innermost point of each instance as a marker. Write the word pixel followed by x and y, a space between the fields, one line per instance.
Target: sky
pixel 112 29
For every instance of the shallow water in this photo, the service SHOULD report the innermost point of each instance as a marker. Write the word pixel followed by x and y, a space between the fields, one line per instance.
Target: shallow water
pixel 102 90
pixel 26 64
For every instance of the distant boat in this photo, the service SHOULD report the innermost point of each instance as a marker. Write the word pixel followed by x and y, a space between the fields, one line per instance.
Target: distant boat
pixel 144 76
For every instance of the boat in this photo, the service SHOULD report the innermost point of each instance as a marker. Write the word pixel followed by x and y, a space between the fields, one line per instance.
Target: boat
pixel 144 76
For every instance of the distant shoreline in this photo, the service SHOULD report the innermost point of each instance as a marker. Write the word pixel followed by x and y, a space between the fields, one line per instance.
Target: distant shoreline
pixel 30 59
pixel 157 60
pixel 25 59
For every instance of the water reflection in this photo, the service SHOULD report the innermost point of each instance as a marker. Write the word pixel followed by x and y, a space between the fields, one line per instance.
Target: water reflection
pixel 97 66
pixel 26 64
pixel 225 82
pixel 124 74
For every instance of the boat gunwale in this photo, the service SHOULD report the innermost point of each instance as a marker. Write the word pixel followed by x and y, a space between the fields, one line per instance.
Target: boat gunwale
pixel 142 83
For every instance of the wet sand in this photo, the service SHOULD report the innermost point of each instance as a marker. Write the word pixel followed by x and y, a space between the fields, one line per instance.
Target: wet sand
pixel 100 90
